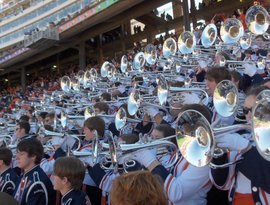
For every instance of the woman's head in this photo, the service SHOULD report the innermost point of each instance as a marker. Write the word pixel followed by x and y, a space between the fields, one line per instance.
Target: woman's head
pixel 137 188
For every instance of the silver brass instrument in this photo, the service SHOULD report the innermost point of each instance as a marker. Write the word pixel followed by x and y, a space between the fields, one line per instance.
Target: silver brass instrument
pixel 169 47
pixel 231 30
pixel 186 42
pixel 261 124
pixel 195 138
pixel 209 35
pixel 225 98
pixel 128 150
pixel 139 61
pixel 257 19
pixel 150 54
pixel 196 141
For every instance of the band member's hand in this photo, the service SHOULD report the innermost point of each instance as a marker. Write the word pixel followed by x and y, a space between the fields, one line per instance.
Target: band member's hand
pixel 145 156
pixel 233 142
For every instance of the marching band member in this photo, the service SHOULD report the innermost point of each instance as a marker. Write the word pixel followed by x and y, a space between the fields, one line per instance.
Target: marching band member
pixel 8 177
pixel 186 184
pixel 92 126
pixel 103 179
pixel 213 77
pixel 68 177
pixel 34 186
pixel 248 181
pixel 21 132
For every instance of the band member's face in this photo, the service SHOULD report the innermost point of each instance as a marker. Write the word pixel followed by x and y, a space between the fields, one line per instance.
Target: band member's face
pixel 19 132
pixel 58 183
pixel 156 134
pixel 249 102
pixel 211 85
pixel 97 111
pixel 88 133
pixel 24 161
pixel 49 121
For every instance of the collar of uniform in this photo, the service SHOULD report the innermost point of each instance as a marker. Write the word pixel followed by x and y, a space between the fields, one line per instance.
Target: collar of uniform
pixel 25 137
pixel 31 170
pixel 4 172
pixel 66 195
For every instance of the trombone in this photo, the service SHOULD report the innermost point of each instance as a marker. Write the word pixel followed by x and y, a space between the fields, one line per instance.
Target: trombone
pixel 128 150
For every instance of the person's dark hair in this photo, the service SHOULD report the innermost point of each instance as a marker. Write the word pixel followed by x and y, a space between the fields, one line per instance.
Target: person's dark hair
pixel 24 118
pixel 51 115
pixel 72 168
pixel 204 110
pixel 95 123
pixel 256 90
pixel 43 115
pixel 102 106
pixel 24 125
pixel 166 130
pixel 236 75
pixel 218 74
pixel 260 36
pixel 6 155
pixel 138 79
pixel 116 84
pixel 32 147
pixel 130 138
pixel 106 96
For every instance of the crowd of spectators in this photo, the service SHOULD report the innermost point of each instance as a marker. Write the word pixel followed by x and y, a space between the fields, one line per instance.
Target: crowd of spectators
pixel 19 9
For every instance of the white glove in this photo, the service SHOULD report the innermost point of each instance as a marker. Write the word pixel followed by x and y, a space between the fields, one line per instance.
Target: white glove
pixel 152 111
pixel 190 98
pixel 145 156
pixel 202 63
pixel 233 142
pixel 57 141
pixel 121 89
pixel 250 69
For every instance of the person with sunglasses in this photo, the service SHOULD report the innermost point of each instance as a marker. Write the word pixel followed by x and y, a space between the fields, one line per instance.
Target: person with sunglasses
pixel 248 181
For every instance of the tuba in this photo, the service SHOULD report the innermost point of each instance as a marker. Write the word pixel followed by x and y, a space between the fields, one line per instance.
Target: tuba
pixel 186 42
pixel 257 19
pixel 231 31
pixel 209 35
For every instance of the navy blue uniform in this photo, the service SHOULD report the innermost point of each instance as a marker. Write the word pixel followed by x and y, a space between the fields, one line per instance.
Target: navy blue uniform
pixel 8 180
pixel 34 188
pixel 74 197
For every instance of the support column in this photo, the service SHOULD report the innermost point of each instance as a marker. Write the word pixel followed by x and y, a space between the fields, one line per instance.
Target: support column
pixel 23 80
pixel 82 56
pixel 186 15
pixel 149 35
pixel 122 39
pixel 193 13
pixel 128 28
pixel 178 12
pixel 100 50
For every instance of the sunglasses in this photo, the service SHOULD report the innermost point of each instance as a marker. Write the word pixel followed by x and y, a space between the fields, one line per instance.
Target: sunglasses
pixel 246 110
